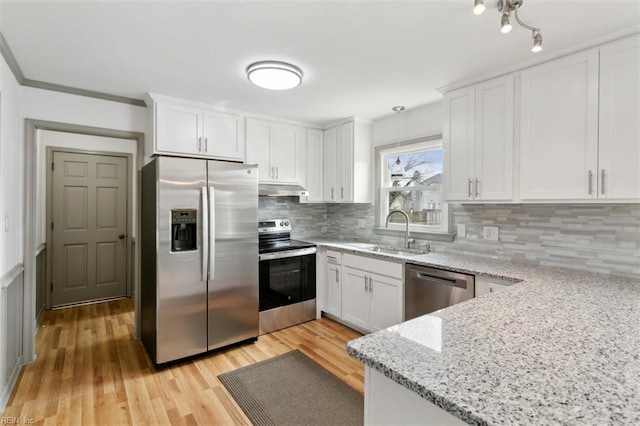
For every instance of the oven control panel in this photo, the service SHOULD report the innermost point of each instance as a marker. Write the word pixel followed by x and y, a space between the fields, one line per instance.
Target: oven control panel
pixel 273 226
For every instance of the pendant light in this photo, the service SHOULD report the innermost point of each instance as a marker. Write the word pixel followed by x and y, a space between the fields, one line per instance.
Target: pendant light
pixel 397 171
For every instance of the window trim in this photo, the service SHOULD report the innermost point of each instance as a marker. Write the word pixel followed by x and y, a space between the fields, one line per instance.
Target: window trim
pixel 420 231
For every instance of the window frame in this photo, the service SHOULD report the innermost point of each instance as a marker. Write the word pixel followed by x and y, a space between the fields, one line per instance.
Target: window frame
pixel 441 232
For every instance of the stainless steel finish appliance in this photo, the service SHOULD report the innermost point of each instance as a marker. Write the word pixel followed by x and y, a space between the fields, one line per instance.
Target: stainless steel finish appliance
pixel 427 290
pixel 199 247
pixel 287 277
pixel 282 190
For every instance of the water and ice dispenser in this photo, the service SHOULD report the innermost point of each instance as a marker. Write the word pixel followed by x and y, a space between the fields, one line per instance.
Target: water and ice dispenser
pixel 184 230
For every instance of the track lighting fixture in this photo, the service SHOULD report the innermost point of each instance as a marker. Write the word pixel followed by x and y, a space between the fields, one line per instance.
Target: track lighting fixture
pixel 478 7
pixel 505 7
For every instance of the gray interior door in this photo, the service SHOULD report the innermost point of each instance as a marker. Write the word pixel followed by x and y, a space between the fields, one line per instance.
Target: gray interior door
pixel 89 202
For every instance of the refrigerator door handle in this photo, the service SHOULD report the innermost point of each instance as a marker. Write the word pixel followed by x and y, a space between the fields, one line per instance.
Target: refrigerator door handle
pixel 212 233
pixel 205 232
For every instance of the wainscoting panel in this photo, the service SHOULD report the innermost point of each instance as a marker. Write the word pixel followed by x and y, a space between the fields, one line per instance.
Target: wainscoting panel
pixel 11 303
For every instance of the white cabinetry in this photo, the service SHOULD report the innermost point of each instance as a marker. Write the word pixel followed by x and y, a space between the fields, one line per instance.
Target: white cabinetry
pixel 485 285
pixel 278 149
pixel 580 137
pixel 188 129
pixel 347 163
pixel 372 293
pixel 333 284
pixel 559 128
pixel 478 141
pixel 315 164
pixel 619 130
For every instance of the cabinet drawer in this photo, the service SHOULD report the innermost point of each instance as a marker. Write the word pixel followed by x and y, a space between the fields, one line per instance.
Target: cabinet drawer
pixel 334 257
pixel 374 266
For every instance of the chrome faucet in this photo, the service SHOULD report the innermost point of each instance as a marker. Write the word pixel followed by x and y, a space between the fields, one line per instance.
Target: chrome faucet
pixel 407 240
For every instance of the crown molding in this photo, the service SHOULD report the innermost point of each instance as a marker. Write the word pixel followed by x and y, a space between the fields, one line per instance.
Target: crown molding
pixel 11 61
pixel 7 54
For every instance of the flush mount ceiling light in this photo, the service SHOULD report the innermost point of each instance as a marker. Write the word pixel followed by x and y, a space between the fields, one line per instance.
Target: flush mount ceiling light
pixel 274 75
pixel 505 7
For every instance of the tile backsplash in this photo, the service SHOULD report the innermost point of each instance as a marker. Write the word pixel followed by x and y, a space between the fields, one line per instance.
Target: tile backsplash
pixel 591 237
pixel 307 220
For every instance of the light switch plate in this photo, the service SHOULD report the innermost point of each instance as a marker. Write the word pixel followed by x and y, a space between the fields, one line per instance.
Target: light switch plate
pixel 461 230
pixel 361 223
pixel 491 233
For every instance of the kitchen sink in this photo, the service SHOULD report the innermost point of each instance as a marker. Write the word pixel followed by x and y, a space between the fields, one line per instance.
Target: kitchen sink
pixel 397 251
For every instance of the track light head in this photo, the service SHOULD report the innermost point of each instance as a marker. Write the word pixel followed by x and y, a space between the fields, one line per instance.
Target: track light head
pixel 478 7
pixel 505 24
pixel 537 41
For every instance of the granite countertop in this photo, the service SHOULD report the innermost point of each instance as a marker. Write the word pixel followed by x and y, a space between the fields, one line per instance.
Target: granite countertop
pixel 559 347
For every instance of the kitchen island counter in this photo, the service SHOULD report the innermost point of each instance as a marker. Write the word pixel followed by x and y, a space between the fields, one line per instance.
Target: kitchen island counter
pixel 559 347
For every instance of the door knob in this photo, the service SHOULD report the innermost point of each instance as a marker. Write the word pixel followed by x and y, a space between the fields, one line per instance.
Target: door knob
pixel 121 236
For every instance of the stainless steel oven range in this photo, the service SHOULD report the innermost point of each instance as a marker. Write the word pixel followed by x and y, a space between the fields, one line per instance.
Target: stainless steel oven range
pixel 287 277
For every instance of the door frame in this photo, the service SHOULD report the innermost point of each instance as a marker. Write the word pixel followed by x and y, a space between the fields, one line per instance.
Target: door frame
pixel 51 150
pixel 32 126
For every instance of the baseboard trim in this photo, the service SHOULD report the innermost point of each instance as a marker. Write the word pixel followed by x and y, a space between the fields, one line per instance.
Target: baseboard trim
pixel 13 379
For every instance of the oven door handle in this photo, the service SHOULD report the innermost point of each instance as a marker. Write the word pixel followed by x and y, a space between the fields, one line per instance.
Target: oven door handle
pixel 287 253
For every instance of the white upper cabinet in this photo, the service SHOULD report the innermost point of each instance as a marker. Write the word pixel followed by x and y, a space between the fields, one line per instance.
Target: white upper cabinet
pixel 186 129
pixel 494 140
pixel 559 129
pixel 221 135
pixel 619 141
pixel 178 129
pixel 458 143
pixel 330 165
pixel 347 163
pixel 315 164
pixel 278 149
pixel 478 141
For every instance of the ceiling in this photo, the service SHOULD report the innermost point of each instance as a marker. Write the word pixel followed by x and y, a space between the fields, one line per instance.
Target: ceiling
pixel 358 57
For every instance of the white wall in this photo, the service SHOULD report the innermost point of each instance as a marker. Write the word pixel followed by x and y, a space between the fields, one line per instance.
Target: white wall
pixel 76 141
pixel 66 108
pixel 410 124
pixel 11 172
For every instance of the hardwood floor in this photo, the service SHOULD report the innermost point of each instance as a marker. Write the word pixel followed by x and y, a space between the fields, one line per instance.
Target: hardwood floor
pixel 90 370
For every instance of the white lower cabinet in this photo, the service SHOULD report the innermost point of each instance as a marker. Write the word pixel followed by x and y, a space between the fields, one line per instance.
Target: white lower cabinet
pixel 371 293
pixel 486 285
pixel 356 298
pixel 333 284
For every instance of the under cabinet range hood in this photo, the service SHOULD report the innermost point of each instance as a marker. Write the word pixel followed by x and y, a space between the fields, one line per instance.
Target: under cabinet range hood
pixel 273 190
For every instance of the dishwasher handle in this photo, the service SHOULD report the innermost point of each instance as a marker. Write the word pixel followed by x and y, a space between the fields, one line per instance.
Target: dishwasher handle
pixel 437 280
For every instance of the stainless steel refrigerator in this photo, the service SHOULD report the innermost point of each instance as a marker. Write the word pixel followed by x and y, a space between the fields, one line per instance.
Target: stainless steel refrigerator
pixel 199 253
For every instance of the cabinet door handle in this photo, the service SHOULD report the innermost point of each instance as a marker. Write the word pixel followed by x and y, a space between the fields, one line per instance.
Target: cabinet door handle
pixel 199 144
pixel 366 285
pixel 477 188
pixel 337 277
pixel 332 192
pixel 342 192
pixel 590 182
pixel 273 174
pixel 602 173
pixel 470 189
pixel 370 285
pixel 206 144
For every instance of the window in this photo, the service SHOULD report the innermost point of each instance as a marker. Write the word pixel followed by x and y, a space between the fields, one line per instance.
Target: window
pixel 414 187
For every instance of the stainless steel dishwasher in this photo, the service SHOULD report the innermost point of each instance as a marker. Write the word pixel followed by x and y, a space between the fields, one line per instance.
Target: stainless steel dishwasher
pixel 427 290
